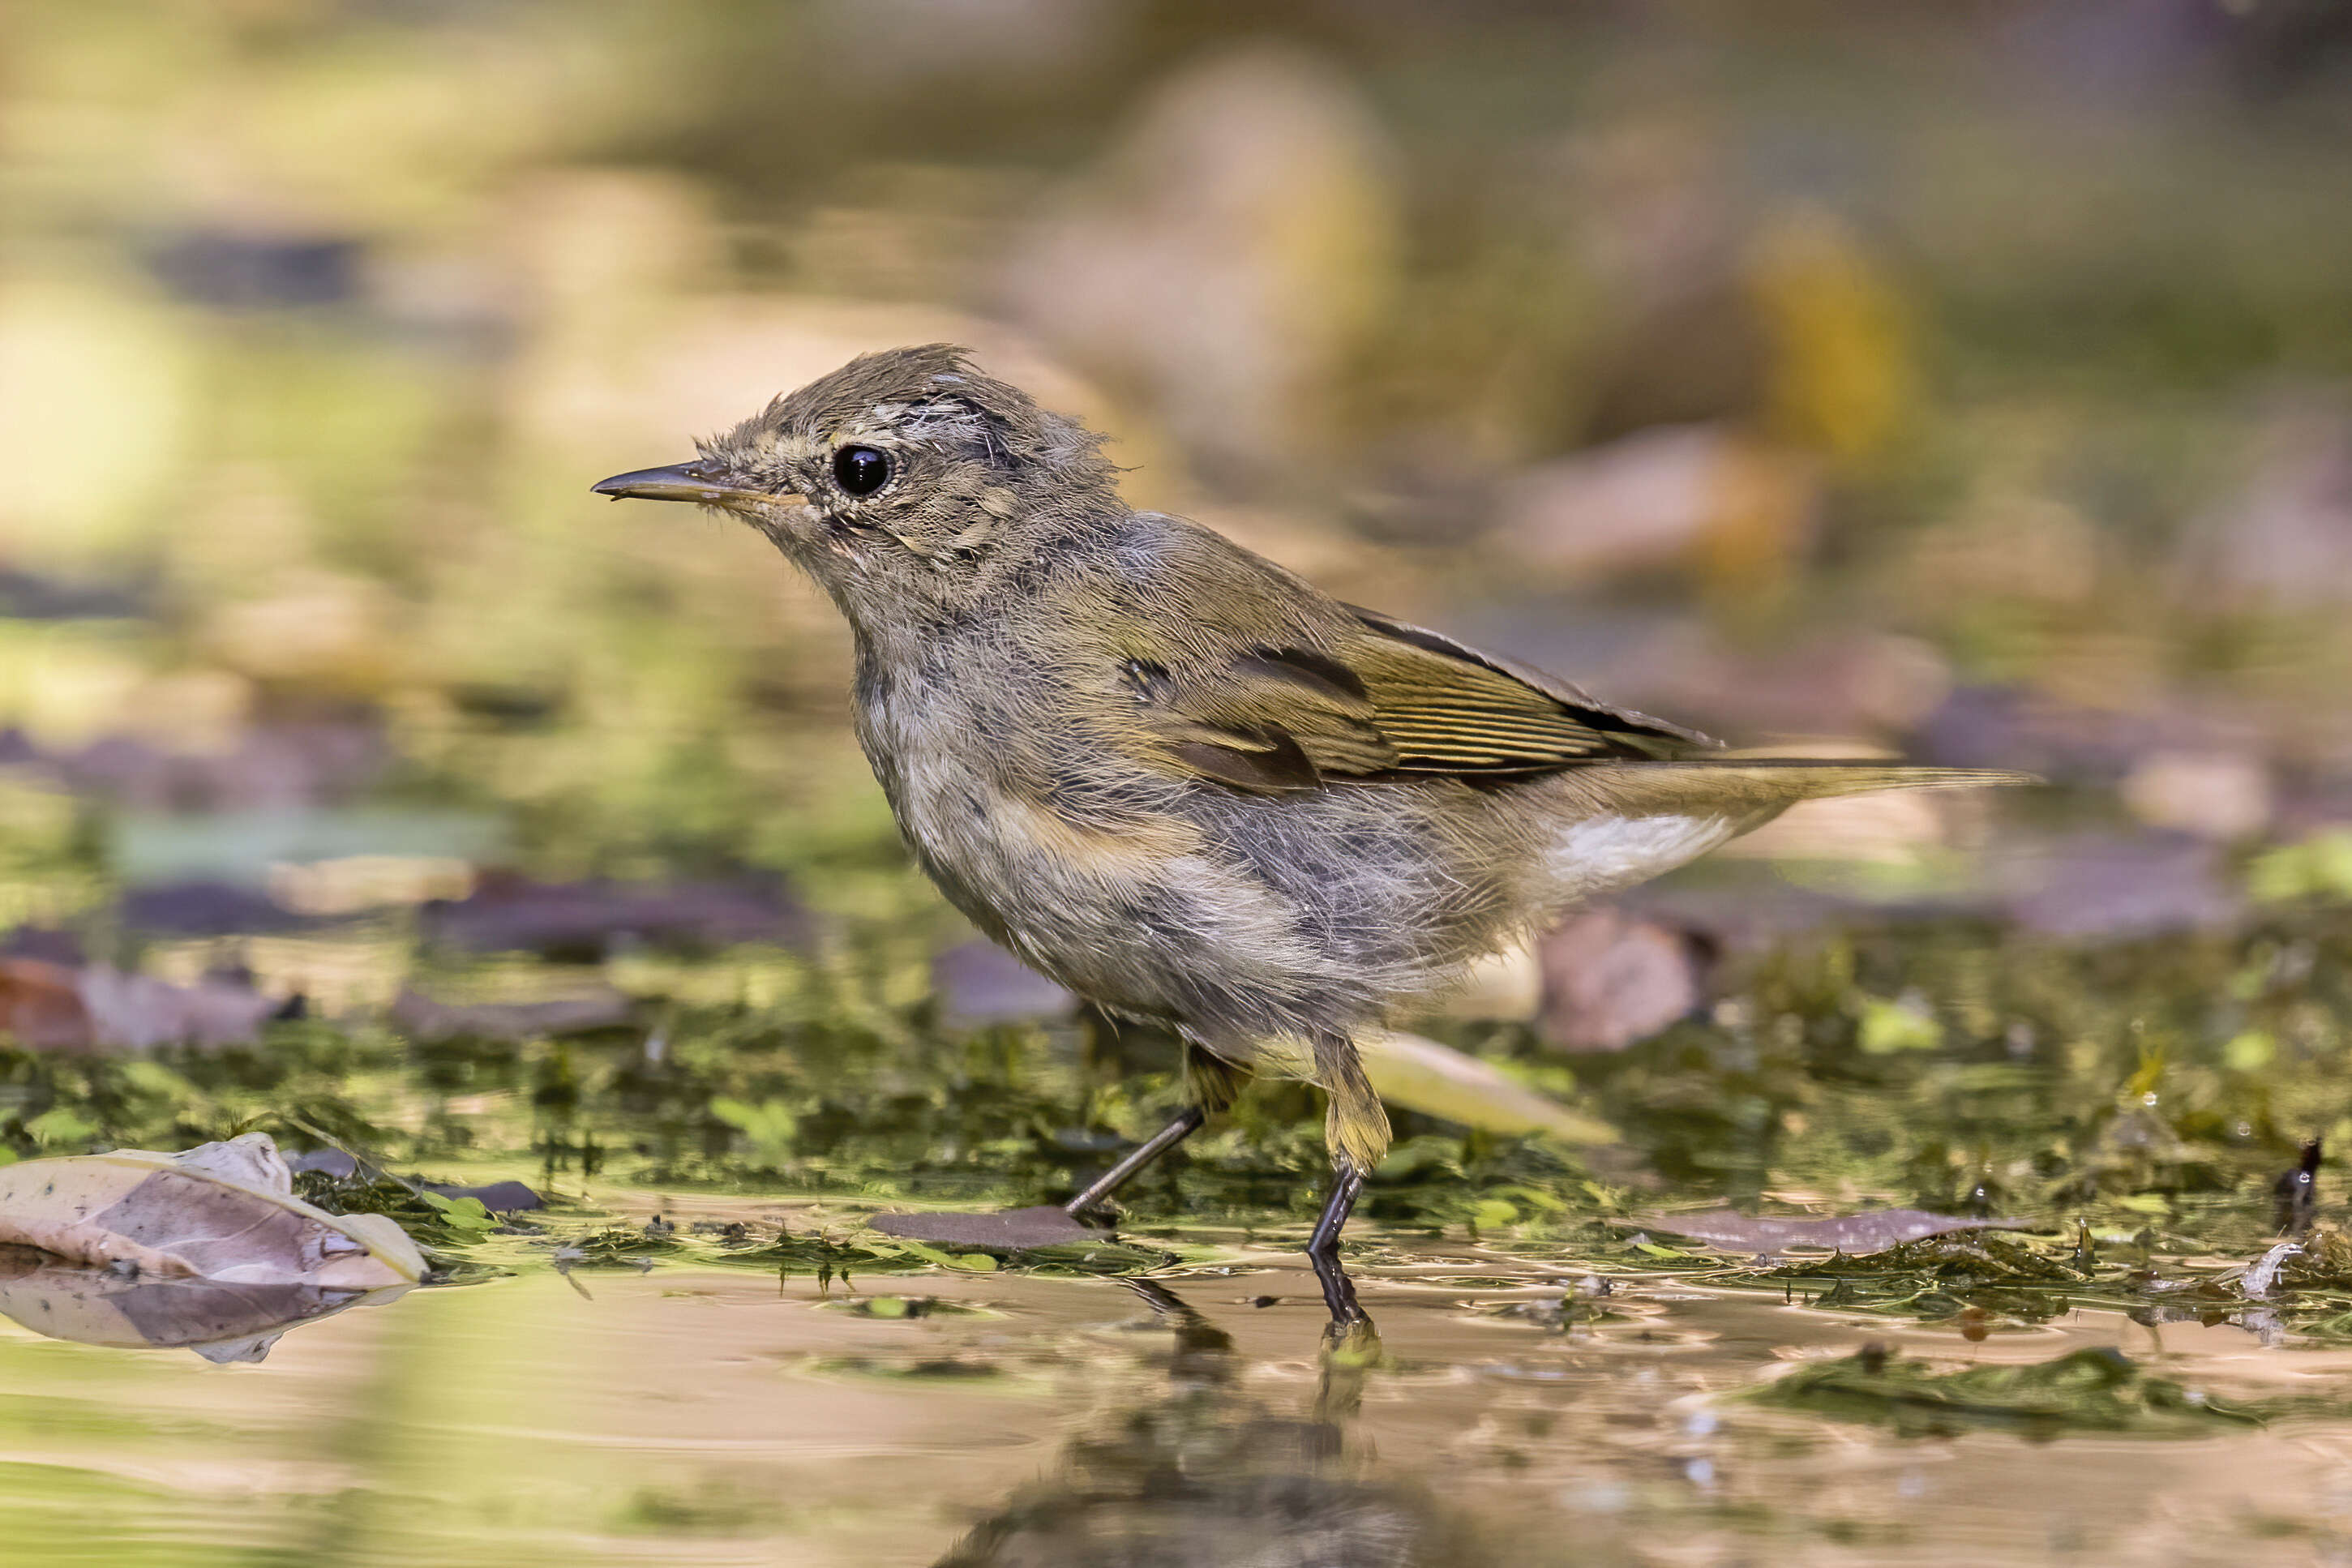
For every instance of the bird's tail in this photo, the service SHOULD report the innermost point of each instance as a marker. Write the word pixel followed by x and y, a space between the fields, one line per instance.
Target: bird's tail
pixel 1746 790
pixel 1816 778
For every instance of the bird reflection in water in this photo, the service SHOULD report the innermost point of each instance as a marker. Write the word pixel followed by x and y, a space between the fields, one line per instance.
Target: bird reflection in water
pixel 1206 1471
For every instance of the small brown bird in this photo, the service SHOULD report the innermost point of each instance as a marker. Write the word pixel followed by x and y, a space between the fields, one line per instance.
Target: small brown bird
pixel 1175 777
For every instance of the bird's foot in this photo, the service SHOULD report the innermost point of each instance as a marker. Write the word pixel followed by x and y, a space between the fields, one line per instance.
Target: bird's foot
pixel 1348 1316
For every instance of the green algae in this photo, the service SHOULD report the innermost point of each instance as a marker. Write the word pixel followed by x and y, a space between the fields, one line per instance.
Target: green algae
pixel 2092 1390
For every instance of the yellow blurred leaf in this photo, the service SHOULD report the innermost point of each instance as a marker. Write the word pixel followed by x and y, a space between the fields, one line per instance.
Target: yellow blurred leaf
pixel 1902 1025
pixel 2251 1050
pixel 1843 379
pixel 1437 1081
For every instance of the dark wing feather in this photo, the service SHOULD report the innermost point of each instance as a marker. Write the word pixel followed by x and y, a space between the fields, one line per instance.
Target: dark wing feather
pixel 1389 700
pixel 1263 762
pixel 1450 709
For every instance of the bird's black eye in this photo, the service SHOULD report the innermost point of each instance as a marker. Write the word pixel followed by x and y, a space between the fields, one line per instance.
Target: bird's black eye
pixel 861 470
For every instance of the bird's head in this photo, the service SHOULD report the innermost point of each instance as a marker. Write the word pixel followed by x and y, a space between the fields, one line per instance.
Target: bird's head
pixel 904 481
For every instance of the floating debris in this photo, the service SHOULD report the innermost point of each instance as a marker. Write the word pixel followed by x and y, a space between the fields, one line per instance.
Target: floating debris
pixel 1855 1234
pixel 2295 1195
pixel 2258 1279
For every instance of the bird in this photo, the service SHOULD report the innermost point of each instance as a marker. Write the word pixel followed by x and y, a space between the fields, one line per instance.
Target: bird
pixel 1176 777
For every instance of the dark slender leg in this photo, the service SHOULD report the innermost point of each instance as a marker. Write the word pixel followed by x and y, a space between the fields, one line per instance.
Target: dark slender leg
pixel 1346 1187
pixel 1150 1149
pixel 1348 1319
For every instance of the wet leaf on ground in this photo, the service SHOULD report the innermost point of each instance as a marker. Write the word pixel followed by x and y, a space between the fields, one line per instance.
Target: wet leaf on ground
pixel 497 1197
pixel 588 920
pixel 58 1007
pixel 979 983
pixel 423 1019
pixel 932 1369
pixel 898 1309
pixel 207 907
pixel 222 1211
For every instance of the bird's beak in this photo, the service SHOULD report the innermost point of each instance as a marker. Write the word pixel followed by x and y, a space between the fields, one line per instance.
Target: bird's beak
pixel 687 481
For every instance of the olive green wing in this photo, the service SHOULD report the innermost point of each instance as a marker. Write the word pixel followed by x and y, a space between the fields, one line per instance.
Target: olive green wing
pixel 1386 699
pixel 1449 709
pixel 1270 719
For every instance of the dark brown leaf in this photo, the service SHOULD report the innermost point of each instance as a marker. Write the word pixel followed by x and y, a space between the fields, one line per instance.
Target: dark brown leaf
pixel 979 983
pixel 41 1006
pixel 586 920
pixel 423 1018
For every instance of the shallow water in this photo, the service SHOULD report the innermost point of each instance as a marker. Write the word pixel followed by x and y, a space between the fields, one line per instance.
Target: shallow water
pixel 691 1414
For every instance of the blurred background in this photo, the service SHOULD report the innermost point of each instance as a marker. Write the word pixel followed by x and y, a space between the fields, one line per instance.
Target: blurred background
pixel 1969 379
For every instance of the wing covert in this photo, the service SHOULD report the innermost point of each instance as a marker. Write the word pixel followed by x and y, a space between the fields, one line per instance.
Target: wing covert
pixel 1387 700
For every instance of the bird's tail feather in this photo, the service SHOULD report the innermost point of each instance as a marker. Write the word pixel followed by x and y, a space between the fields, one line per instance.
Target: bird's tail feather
pixel 1749 790
pixel 1815 777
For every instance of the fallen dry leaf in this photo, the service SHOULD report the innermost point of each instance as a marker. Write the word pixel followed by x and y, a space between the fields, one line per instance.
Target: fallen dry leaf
pixel 59 1007
pixel 224 1212
pixel 588 920
pixel 41 1008
pixel 423 1018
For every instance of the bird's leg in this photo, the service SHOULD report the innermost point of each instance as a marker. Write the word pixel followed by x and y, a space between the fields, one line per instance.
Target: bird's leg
pixel 1323 1252
pixel 1355 1129
pixel 1044 1225
pixel 1188 1121
pixel 1347 1186
pixel 1213 1084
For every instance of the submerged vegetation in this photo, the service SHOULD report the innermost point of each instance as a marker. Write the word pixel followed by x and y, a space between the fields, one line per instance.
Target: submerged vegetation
pixel 2087 1390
